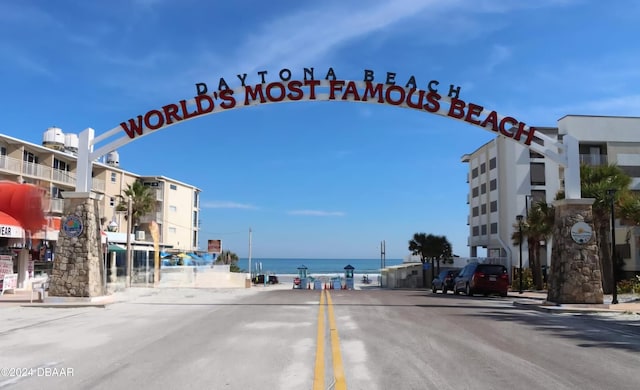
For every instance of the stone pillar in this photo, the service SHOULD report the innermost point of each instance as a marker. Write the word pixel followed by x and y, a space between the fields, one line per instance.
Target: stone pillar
pixel 78 264
pixel 23 267
pixel 575 263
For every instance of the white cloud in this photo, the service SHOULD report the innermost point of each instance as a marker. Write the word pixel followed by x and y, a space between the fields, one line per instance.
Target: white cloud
pixel 497 55
pixel 219 204
pixel 317 213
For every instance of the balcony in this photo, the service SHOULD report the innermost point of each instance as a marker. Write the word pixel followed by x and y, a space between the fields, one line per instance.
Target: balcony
pixel 159 194
pixel 36 170
pixel 593 159
pixel 56 205
pixel 65 177
pixel 9 164
pixel 97 185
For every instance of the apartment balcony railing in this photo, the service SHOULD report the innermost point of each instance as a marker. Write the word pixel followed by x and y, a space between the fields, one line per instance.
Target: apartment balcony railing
pixel 36 170
pixel 9 164
pixel 65 177
pixel 593 159
pixel 20 167
pixel 97 185
pixel 56 205
pixel 159 195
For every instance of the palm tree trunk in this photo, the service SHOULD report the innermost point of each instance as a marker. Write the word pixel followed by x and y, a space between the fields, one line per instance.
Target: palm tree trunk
pixel 605 259
pixel 534 264
pixel 537 269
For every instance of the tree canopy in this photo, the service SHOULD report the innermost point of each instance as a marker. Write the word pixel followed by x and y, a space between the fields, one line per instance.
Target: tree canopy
pixel 430 248
pixel 143 201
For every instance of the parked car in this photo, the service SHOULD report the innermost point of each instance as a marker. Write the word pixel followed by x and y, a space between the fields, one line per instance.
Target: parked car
pixel 259 279
pixel 477 278
pixel 444 281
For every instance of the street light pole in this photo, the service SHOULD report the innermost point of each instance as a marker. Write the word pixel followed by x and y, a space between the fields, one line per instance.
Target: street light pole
pixel 614 293
pixel 250 271
pixel 519 218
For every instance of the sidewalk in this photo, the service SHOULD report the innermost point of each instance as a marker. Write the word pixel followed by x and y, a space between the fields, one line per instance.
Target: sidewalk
pixel 537 300
pixel 23 298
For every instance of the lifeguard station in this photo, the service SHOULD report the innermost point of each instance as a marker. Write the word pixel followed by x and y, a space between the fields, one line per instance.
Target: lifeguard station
pixel 348 276
pixel 302 278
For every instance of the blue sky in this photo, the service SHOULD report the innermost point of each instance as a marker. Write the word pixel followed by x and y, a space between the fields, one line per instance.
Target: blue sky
pixel 314 179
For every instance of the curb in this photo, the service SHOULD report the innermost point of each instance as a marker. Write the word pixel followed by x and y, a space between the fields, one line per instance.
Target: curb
pixel 564 309
pixel 66 305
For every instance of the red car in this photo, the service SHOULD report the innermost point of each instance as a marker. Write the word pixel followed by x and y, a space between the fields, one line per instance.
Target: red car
pixel 477 278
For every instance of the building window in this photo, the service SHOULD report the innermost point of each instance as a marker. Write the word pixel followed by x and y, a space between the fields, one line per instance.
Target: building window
pixel 493 185
pixel 173 187
pixel 195 219
pixel 195 199
pixel 172 230
pixel 474 211
pixel 483 188
pixel 483 168
pixel 493 206
pixel 538 196
pixel 195 239
pixel 114 177
pixel 60 165
pixel 537 174
pixel 112 202
pixel 30 157
pixel 494 228
pixel 474 192
pixel 474 172
pixel 483 230
pixel 492 163
pixel 475 231
pixel 173 209
pixel 483 209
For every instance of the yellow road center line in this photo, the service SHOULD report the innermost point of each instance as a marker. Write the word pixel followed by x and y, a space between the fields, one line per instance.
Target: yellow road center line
pixel 338 369
pixel 318 376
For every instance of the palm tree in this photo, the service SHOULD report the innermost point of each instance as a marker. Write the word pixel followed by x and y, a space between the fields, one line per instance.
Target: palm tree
pixel 540 222
pixel 430 247
pixel 230 258
pixel 142 199
pixel 596 181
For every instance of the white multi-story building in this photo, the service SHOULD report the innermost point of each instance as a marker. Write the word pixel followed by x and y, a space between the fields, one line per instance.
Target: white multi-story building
pixel 505 179
pixel 52 166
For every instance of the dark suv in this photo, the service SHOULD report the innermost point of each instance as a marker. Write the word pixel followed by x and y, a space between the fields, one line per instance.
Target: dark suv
pixel 477 278
pixel 259 279
pixel 444 281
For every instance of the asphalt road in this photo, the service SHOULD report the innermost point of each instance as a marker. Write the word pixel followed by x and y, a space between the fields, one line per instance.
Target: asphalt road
pixel 187 339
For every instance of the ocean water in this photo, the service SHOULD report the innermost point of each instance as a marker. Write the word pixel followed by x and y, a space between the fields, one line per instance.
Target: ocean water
pixel 314 266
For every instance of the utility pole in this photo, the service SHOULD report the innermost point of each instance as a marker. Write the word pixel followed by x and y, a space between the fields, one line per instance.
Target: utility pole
pixel 250 274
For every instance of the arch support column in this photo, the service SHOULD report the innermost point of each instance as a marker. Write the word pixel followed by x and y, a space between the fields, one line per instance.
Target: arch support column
pixel 575 267
pixel 78 265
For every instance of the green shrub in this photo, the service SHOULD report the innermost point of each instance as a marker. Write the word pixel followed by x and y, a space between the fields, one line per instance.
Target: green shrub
pixel 629 286
pixel 527 279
